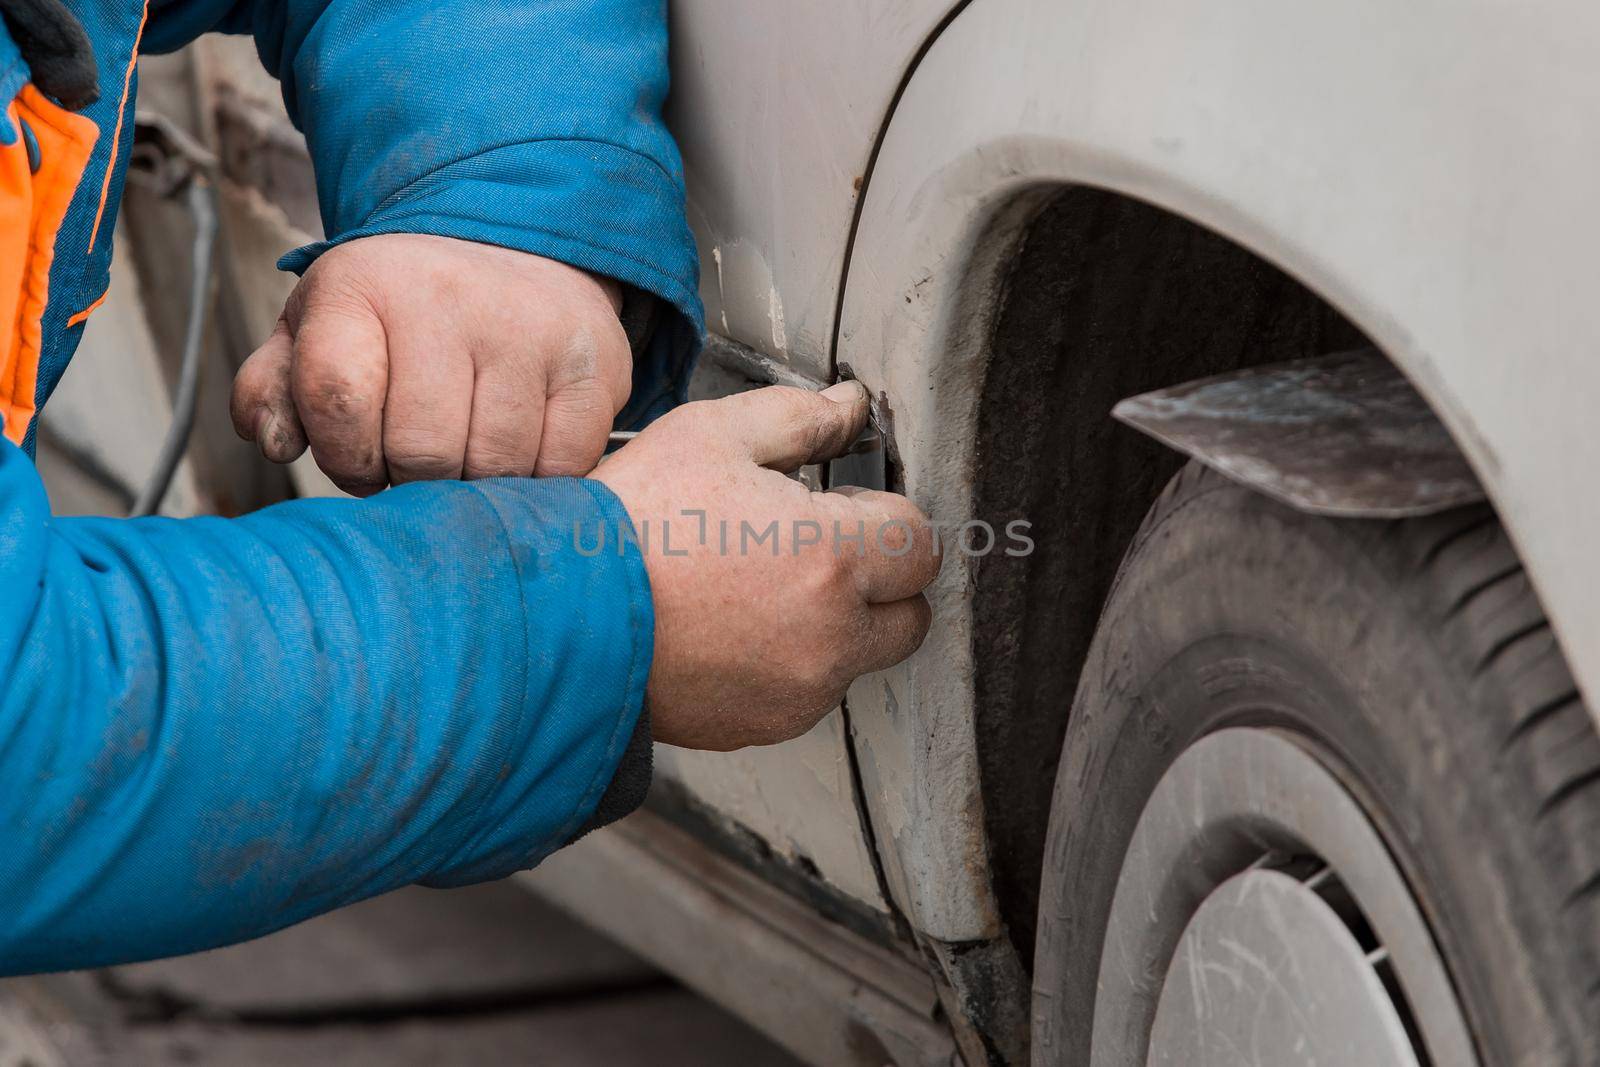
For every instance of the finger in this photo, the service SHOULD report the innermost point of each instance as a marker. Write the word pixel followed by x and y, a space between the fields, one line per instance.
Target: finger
pixel 262 405
pixel 577 421
pixel 887 541
pixel 896 631
pixel 786 428
pixel 427 410
pixel 339 381
pixel 507 419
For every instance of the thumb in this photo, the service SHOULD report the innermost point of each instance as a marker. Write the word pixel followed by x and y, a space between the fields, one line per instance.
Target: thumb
pixel 262 407
pixel 785 428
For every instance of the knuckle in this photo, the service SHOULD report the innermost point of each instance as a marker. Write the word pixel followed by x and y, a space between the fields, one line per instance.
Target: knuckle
pixel 421 452
pixel 562 467
pixel 571 449
pixel 583 403
pixel 346 456
pixel 354 470
pixel 805 410
pixel 827 575
pixel 819 676
pixel 362 487
pixel 496 463
pixel 813 434
pixel 341 403
pixel 420 461
pixel 578 344
pixel 789 409
pixel 326 299
pixel 338 391
pixel 840 572
pixel 482 472
pixel 795 403
pixel 348 463
pixel 253 377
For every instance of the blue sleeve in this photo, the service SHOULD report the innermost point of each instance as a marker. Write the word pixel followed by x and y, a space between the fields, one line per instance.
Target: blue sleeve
pixel 532 125
pixel 210 729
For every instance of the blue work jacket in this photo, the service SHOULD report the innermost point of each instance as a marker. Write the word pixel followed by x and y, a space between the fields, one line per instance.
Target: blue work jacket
pixel 209 728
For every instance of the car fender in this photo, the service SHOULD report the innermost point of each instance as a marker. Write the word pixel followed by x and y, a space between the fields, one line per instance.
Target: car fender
pixel 1427 169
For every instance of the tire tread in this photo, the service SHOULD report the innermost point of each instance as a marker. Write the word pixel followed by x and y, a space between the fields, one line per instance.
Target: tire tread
pixel 1547 737
pixel 1535 751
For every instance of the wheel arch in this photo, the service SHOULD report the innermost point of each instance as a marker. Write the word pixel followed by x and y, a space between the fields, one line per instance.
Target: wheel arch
pixel 1283 130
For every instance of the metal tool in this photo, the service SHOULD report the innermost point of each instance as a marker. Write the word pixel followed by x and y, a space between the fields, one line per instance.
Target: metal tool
pixel 870 439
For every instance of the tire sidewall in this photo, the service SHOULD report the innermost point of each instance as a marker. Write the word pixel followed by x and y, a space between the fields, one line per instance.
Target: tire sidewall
pixel 1234 611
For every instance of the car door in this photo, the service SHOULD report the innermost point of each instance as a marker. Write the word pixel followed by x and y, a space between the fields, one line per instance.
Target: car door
pixel 777 108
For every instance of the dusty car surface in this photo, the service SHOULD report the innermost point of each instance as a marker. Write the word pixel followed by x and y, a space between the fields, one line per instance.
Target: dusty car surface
pixel 1273 741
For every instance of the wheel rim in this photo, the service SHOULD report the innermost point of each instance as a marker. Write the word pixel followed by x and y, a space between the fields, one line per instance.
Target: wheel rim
pixel 1258 909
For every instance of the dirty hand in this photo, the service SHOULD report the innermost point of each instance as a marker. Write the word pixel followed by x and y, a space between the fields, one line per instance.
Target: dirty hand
pixel 757 638
pixel 406 357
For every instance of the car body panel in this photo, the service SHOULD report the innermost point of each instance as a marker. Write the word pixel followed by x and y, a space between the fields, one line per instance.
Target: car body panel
pixel 776 108
pixel 798 797
pixel 1427 169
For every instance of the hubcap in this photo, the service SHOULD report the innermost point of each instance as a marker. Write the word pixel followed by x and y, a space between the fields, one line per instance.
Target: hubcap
pixel 1259 918
pixel 1268 973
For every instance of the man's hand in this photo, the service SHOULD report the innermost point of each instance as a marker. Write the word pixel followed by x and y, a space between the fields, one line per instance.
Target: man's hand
pixel 406 357
pixel 756 639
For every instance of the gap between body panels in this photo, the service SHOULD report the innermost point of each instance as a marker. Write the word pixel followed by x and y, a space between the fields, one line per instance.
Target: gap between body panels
pixel 741 360
pixel 862 188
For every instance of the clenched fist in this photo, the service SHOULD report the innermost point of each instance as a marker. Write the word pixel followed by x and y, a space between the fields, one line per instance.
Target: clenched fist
pixel 770 599
pixel 407 357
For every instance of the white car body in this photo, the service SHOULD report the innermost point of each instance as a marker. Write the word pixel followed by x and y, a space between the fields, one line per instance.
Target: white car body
pixel 1428 170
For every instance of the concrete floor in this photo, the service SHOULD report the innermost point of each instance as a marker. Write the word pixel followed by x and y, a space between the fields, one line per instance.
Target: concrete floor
pixel 473 976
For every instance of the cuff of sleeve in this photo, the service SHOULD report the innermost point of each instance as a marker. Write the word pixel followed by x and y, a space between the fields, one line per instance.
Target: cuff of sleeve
pixel 591 642
pixel 607 799
pixel 593 205
pixel 631 782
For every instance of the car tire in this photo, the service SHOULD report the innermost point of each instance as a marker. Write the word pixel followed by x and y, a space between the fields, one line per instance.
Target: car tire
pixel 1404 669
